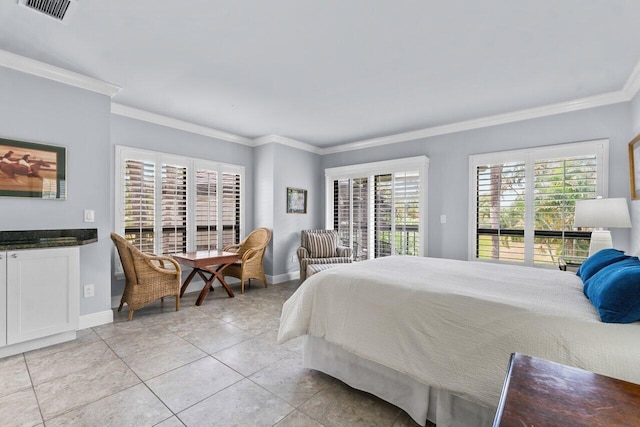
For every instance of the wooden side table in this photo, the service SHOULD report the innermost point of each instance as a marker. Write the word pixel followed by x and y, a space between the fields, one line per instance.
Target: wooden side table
pixel 541 393
pixel 204 262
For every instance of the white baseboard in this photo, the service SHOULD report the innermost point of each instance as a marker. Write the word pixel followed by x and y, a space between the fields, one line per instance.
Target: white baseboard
pixel 279 278
pixel 96 319
pixel 22 347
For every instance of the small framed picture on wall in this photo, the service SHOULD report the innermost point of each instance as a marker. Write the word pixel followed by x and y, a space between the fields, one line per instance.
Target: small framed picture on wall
pixel 296 200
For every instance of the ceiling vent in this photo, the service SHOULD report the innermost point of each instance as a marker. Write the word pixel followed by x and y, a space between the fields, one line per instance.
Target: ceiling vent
pixel 60 10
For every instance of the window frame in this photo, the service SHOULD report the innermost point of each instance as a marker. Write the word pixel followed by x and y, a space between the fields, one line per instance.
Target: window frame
pixel 369 170
pixel 192 164
pixel 599 148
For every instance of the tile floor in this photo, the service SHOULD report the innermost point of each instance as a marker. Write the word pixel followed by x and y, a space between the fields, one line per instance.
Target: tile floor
pixel 213 365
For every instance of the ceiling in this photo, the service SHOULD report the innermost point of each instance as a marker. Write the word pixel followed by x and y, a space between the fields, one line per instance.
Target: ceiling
pixel 334 72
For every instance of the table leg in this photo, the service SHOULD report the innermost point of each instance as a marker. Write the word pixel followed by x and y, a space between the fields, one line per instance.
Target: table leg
pixel 187 281
pixel 222 281
pixel 215 274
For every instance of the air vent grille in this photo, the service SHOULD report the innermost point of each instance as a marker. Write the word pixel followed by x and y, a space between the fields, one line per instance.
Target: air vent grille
pixel 57 9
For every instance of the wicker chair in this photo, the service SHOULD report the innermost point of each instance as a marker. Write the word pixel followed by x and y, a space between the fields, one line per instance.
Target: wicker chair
pixel 146 281
pixel 339 254
pixel 251 251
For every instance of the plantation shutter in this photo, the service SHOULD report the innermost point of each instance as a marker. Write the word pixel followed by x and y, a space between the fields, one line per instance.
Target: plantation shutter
pixel 360 218
pixel 342 210
pixel 559 182
pixel 383 215
pixel 379 208
pixel 174 209
pixel 406 195
pixel 206 210
pixel 230 208
pixel 500 195
pixel 139 204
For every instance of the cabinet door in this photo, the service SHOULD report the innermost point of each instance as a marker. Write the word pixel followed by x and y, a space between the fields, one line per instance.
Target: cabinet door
pixel 3 299
pixel 42 293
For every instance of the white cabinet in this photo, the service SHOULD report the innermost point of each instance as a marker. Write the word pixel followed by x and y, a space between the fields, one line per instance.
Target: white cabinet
pixel 41 297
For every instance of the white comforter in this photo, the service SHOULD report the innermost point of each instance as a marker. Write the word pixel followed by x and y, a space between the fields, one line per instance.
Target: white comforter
pixel 453 324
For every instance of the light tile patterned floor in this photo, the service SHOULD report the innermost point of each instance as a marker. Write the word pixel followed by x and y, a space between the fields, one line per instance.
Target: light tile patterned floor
pixel 213 365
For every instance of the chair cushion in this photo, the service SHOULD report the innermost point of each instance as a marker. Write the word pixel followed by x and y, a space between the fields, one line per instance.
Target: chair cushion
pixel 322 245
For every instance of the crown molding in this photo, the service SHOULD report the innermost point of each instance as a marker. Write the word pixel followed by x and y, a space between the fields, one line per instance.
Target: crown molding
pixel 632 84
pixel 60 75
pixel 146 116
pixel 482 122
pixel 286 141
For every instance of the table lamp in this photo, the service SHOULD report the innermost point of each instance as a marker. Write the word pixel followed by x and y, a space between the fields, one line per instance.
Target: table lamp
pixel 599 213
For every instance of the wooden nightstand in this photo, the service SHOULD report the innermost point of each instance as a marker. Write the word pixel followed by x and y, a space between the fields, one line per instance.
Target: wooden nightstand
pixel 539 393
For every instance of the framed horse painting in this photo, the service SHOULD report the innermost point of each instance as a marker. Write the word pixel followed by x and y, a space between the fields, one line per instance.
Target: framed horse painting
pixel 31 169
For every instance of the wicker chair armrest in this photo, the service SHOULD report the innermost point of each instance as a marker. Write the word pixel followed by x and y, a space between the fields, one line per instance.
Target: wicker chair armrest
pixel 250 253
pixel 231 248
pixel 148 263
pixel 302 253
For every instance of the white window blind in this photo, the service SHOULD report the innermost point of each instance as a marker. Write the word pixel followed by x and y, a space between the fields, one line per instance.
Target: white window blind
pixel 379 209
pixel 501 221
pixel 167 204
pixel 351 215
pixel 406 204
pixel 174 209
pixel 342 210
pixel 558 184
pixel 139 203
pixel 206 210
pixel 230 208
pixel 524 200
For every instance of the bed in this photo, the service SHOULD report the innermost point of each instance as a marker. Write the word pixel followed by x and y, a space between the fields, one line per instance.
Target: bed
pixel 434 336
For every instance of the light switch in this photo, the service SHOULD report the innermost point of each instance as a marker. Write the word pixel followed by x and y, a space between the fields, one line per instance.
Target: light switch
pixel 89 215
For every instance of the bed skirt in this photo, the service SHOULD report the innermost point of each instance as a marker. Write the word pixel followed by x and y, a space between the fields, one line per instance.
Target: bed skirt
pixel 422 402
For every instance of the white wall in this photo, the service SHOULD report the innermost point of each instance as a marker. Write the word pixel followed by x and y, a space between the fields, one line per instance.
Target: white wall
pixel 449 163
pixel 39 110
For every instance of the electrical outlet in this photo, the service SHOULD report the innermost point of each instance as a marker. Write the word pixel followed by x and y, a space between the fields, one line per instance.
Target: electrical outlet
pixel 88 291
pixel 89 215
pixel 293 258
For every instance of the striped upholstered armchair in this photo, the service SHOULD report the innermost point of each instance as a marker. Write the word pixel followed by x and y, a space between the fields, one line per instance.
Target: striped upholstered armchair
pixel 321 247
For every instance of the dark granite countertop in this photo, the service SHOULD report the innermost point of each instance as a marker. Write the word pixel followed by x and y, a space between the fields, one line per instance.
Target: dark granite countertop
pixel 36 239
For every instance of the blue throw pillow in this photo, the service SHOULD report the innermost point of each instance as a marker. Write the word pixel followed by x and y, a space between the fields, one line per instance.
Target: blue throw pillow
pixel 615 291
pixel 599 260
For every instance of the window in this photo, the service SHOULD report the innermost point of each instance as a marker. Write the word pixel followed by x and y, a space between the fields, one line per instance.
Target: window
pixel 379 209
pixel 169 204
pixel 523 202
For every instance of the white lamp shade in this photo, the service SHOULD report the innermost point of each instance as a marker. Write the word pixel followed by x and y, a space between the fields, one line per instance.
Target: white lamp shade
pixel 600 213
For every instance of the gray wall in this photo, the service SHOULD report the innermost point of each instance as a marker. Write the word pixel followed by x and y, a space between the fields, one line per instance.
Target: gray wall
pixel 263 196
pixel 149 136
pixel 39 110
pixel 278 167
pixel 448 184
pixel 298 169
